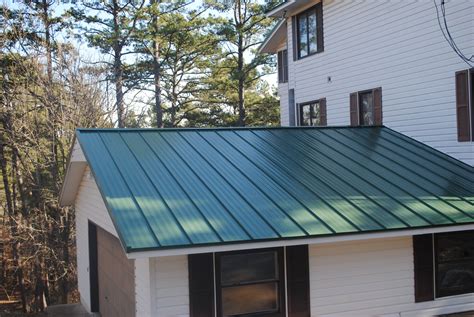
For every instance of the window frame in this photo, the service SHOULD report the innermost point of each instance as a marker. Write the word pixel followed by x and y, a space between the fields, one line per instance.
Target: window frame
pixel 471 99
pixel 281 281
pixel 318 11
pixel 300 112
pixel 359 108
pixel 436 262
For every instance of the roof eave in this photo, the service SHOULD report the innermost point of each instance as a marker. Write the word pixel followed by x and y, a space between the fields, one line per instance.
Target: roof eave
pixel 224 247
pixel 288 8
pixel 75 170
pixel 274 39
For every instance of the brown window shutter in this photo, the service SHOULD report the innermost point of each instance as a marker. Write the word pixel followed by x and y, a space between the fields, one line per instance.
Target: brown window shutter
pixel 354 109
pixel 285 66
pixel 423 261
pixel 462 106
pixel 294 38
pixel 377 93
pixel 319 21
pixel 201 285
pixel 280 67
pixel 323 112
pixel 297 270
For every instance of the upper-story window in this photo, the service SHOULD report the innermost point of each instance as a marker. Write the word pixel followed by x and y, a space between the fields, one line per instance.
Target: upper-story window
pixel 283 66
pixel 465 105
pixel 312 114
pixel 309 31
pixel 366 107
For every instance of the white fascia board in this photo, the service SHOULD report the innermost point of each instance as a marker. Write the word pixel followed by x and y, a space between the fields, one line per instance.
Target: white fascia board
pixel 75 170
pixel 315 240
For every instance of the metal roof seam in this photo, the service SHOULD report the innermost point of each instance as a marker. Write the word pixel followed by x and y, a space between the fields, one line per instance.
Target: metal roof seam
pixel 411 170
pixel 309 189
pixel 382 191
pixel 399 187
pixel 277 184
pixel 240 194
pixel 407 179
pixel 413 162
pixel 431 150
pixel 203 183
pixel 337 191
pixel 423 146
pixel 261 191
pixel 364 195
pixel 160 195
pixel 131 194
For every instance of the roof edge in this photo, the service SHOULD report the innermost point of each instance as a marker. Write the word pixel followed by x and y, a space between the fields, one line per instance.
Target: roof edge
pixel 322 239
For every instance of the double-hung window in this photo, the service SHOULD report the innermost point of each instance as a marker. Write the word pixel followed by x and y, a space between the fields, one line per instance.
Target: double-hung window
pixel 250 283
pixel 444 264
pixel 309 32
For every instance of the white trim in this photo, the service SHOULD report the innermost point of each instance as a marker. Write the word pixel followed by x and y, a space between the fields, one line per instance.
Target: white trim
pixel 280 243
pixel 285 277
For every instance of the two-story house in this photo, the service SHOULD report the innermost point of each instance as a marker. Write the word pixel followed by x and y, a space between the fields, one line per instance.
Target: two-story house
pixel 336 216
pixel 379 63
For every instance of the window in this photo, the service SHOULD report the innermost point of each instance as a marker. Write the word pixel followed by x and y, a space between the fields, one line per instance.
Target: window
pixel 309 32
pixel 366 107
pixel 250 282
pixel 444 264
pixel 465 105
pixel 313 113
pixel 454 255
pixel 283 66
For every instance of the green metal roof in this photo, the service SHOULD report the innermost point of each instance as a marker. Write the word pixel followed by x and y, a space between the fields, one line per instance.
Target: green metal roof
pixel 174 188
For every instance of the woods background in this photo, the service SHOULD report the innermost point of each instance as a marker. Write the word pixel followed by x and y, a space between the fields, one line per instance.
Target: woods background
pixel 108 63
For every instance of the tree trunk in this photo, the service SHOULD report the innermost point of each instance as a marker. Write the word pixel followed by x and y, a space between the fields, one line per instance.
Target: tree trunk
pixel 156 69
pixel 11 216
pixel 240 65
pixel 118 70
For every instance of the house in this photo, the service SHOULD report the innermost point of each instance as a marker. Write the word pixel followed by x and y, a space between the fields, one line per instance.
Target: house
pixel 295 221
pixel 379 62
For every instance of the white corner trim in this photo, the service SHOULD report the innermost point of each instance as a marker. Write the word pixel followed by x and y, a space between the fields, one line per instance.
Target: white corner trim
pixel 280 243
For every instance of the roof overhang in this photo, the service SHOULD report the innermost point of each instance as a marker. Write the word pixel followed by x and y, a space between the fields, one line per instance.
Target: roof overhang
pixel 292 242
pixel 275 39
pixel 290 7
pixel 75 170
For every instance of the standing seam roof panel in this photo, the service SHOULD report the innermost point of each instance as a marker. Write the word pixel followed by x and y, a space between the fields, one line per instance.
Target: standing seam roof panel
pixel 173 188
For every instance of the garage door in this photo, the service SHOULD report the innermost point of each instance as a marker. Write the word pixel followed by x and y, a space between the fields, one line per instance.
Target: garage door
pixel 116 277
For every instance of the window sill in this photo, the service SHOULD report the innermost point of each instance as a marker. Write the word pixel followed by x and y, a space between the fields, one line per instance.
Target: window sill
pixel 312 54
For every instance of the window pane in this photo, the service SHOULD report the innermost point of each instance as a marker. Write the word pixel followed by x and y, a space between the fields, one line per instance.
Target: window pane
pixel 366 104
pixel 249 267
pixel 316 115
pixel 455 278
pixel 303 36
pixel 455 246
pixel 305 115
pixel 312 32
pixel 246 299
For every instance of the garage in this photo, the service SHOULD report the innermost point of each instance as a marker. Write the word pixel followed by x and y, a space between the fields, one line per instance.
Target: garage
pixel 112 275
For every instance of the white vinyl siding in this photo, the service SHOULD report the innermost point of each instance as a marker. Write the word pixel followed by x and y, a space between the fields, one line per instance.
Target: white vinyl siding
pixel 393 45
pixel 170 286
pixel 370 278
